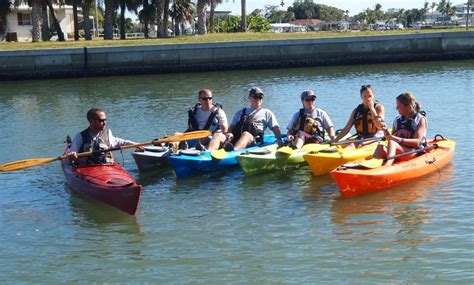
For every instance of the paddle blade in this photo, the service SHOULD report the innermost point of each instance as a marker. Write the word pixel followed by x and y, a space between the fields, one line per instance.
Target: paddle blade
pixel 26 163
pixel 371 163
pixel 284 151
pixel 219 154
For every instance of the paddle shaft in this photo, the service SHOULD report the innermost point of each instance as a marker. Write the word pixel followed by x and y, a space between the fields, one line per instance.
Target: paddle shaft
pixel 181 137
pixel 356 141
pixel 411 152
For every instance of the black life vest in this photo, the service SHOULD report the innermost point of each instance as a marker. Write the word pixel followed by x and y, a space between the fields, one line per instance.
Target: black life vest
pixel 193 123
pixel 309 125
pixel 246 124
pixel 89 144
pixel 406 127
pixel 364 121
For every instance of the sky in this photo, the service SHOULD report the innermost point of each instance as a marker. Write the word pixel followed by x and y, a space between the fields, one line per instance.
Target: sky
pixel 354 6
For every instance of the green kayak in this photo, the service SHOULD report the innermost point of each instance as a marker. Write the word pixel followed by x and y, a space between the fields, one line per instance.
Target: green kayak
pixel 272 158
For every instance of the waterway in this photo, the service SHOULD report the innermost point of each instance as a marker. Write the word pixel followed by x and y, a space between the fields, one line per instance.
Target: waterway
pixel 283 227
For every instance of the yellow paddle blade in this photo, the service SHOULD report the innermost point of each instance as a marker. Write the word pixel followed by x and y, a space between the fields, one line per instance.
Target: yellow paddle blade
pixel 219 154
pixel 372 163
pixel 284 151
pixel 26 163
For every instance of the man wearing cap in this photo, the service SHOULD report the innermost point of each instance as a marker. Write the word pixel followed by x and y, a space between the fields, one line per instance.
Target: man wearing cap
pixel 248 125
pixel 309 124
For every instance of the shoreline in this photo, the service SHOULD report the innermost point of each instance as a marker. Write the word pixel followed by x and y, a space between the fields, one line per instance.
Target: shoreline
pixel 146 59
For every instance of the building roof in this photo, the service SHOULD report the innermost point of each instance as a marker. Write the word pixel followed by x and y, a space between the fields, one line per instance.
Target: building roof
pixel 307 22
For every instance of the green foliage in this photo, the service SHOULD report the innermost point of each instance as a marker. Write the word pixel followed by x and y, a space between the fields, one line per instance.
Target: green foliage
pixel 257 23
pixel 229 25
pixel 307 9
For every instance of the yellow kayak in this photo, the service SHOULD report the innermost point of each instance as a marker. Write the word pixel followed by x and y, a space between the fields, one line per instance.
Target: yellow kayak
pixel 325 161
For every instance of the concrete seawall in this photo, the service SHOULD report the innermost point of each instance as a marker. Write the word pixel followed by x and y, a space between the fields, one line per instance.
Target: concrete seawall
pixel 80 62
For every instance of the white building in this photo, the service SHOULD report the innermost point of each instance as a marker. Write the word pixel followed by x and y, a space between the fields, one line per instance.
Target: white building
pixel 19 22
pixel 287 28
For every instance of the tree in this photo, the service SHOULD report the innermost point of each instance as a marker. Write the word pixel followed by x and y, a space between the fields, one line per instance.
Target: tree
pixel 243 18
pixel 469 4
pixel 131 5
pixel 56 24
pixel 159 18
pixel 166 15
pixel 86 7
pixel 201 11
pixel 213 4
pixel 146 17
pixel 181 11
pixel 36 15
pixel 109 19
pixel 6 7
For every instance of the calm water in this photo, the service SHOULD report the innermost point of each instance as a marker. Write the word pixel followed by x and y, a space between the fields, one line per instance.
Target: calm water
pixel 284 227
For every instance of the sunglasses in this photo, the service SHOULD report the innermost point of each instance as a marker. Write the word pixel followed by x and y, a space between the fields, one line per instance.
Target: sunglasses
pixel 309 99
pixel 257 96
pixel 101 120
pixel 206 98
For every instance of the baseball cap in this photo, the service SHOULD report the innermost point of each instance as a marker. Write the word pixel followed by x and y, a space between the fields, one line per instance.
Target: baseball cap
pixel 255 90
pixel 307 93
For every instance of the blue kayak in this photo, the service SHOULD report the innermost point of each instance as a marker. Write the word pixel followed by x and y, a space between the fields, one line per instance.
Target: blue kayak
pixel 188 163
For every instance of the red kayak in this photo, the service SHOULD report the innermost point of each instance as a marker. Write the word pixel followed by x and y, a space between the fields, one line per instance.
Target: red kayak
pixel 108 183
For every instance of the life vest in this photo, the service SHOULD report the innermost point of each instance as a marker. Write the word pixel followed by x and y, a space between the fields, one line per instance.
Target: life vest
pixel 406 127
pixel 364 121
pixel 193 123
pixel 309 125
pixel 100 142
pixel 246 124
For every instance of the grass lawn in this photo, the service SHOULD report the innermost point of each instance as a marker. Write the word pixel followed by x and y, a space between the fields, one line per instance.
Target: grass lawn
pixel 210 38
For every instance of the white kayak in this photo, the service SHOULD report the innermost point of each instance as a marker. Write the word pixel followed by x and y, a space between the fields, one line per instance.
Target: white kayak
pixel 153 157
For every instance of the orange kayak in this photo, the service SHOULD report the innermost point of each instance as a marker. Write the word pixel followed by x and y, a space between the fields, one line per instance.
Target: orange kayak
pixel 354 181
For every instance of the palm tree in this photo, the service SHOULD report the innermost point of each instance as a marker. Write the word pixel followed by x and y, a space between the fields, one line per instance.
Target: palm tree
pixel 145 16
pixel 181 11
pixel 56 24
pixel 159 18
pixel 37 20
pixel 166 15
pixel 109 19
pixel 6 7
pixel 201 11
pixel 131 5
pixel 86 6
pixel 213 3
pixel 243 9
pixel 469 3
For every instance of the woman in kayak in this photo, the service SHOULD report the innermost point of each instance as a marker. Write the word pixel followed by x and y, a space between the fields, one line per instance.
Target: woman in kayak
pixel 249 124
pixel 367 119
pixel 96 137
pixel 207 115
pixel 309 124
pixel 409 129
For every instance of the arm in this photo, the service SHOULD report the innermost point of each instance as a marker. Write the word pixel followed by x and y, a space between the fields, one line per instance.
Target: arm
pixel 379 114
pixel 277 132
pixel 347 128
pixel 331 133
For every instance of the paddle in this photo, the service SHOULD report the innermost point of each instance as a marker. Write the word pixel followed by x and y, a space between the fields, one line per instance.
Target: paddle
pixel 377 162
pixel 219 154
pixel 356 141
pixel 27 163
pixel 284 151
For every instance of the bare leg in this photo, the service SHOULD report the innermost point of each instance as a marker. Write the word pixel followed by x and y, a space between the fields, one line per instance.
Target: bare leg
pixel 380 151
pixel 216 141
pixel 245 139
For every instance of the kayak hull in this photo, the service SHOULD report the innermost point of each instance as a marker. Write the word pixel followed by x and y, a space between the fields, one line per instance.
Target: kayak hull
pixel 254 163
pixel 189 165
pixel 354 181
pixel 322 163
